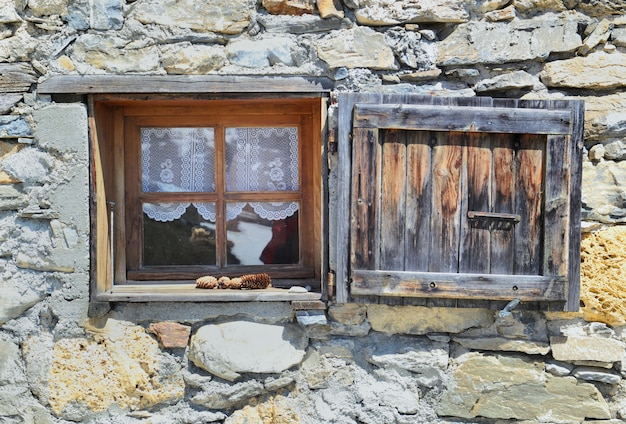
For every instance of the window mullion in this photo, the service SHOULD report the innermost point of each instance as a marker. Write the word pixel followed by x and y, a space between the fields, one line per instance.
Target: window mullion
pixel 220 187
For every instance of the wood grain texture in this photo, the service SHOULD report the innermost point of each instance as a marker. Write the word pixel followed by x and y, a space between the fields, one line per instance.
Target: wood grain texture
pixel 529 194
pixel 85 84
pixel 475 253
pixel 504 171
pixel 455 285
pixel 393 199
pixel 418 201
pixel 461 118
pixel 364 199
pixel 448 159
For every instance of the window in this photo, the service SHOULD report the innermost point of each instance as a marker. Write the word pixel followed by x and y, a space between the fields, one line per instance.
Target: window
pixel 459 198
pixel 207 187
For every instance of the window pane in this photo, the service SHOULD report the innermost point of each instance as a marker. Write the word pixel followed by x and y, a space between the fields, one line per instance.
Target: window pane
pixel 253 240
pixel 185 239
pixel 262 159
pixel 177 160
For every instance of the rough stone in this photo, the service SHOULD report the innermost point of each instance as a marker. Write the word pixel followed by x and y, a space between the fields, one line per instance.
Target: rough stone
pixel 192 59
pixel 586 349
pixel 618 37
pixel 11 199
pixel 512 81
pixel 29 166
pixel 8 14
pixel 596 374
pixel 107 14
pixel 603 197
pixel 236 347
pixel 288 7
pixel 505 14
pixel 301 24
pixel 8 101
pixel 605 117
pixel 500 343
pixel 113 55
pixel 599 35
pixel 13 127
pixel 615 150
pixel 596 153
pixel 263 52
pixel 597 71
pixel 600 274
pixel 541 5
pixel 421 320
pixel 503 387
pixel 48 7
pixel 381 12
pixel 330 9
pixel 425 358
pixel 500 42
pixel 347 313
pixel 560 369
pixel 357 48
pixel 121 366
pixel 217 395
pixel 598 7
pixel 11 366
pixel 410 51
pixel 171 334
pixel 276 410
pixel 222 16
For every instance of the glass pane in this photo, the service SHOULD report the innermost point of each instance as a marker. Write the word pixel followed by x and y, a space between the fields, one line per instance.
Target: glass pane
pixel 253 240
pixel 177 160
pixel 188 239
pixel 262 159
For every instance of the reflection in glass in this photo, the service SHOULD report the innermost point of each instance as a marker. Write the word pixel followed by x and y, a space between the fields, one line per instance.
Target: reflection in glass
pixel 187 240
pixel 254 240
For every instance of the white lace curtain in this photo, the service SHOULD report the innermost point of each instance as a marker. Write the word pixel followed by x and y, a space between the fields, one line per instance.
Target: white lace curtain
pixel 182 160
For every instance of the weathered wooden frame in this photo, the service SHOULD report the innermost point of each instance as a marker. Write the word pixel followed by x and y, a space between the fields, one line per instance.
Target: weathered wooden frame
pixel 360 117
pixel 106 112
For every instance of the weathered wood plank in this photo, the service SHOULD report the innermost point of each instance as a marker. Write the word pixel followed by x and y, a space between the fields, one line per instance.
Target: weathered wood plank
pixel 82 84
pixel 459 286
pixel 475 233
pixel 529 205
pixel 503 201
pixel 418 201
pixel 557 206
pixel 188 293
pixel 392 199
pixel 16 77
pixel 446 202
pixel 462 118
pixel 101 260
pixel 345 103
pixel 364 199
pixel 576 153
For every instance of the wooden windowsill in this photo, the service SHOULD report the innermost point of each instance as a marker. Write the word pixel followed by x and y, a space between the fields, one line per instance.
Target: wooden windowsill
pixel 189 293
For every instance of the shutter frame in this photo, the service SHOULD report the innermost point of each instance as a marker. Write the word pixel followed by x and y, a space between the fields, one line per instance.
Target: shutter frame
pixel 561 123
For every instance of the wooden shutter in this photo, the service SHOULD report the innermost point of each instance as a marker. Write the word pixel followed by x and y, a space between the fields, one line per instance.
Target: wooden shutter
pixel 459 198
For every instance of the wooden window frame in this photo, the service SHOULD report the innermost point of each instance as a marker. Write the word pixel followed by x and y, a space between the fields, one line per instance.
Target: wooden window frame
pixel 111 118
pixel 360 118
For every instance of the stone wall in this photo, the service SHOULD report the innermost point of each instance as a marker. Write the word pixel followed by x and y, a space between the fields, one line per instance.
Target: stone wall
pixel 63 360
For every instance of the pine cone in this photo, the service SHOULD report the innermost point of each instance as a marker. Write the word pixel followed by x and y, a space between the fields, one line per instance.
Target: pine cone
pixel 255 281
pixel 235 283
pixel 223 282
pixel 206 282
